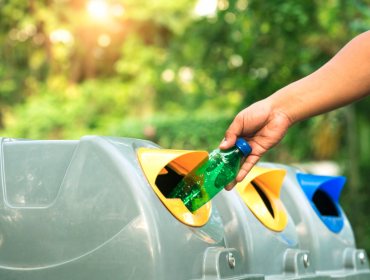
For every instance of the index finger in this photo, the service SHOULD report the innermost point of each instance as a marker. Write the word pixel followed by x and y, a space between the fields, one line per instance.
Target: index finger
pixel 232 133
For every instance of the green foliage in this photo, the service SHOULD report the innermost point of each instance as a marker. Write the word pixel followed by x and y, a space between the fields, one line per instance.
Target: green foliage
pixel 160 72
pixel 183 131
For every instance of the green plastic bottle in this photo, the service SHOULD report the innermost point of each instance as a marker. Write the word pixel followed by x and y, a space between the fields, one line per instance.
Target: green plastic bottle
pixel 206 180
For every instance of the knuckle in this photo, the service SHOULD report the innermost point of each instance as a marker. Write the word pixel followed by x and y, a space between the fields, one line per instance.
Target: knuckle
pixel 229 132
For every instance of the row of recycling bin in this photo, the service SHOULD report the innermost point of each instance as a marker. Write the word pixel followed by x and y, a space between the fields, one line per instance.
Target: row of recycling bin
pixel 97 209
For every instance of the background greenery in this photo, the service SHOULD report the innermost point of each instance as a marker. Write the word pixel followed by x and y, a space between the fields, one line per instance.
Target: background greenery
pixel 177 72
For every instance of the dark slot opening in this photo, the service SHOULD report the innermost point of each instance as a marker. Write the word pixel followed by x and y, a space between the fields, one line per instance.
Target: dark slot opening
pixel 167 182
pixel 265 200
pixel 324 204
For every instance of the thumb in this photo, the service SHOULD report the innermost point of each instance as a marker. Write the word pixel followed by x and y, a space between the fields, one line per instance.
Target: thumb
pixel 232 133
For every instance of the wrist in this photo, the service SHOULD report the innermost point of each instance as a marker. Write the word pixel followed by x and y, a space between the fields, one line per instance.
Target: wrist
pixel 280 107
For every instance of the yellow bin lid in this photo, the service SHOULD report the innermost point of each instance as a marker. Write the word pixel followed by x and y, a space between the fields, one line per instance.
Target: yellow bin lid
pixel 153 162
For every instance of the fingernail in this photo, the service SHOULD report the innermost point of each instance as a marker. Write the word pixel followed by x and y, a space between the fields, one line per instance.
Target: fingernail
pixel 223 142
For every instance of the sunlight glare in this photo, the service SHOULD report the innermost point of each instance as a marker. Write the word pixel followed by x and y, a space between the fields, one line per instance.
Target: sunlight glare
pixel 117 10
pixel 186 74
pixel 104 40
pixel 206 7
pixel 62 36
pixel 168 75
pixel 97 8
pixel 235 61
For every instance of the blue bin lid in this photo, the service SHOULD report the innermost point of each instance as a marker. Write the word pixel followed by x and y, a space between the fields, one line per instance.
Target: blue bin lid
pixel 330 185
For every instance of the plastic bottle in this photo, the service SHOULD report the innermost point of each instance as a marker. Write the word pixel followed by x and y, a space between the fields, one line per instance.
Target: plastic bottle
pixel 206 180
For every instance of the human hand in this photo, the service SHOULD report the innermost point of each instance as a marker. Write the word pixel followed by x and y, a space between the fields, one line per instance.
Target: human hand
pixel 262 127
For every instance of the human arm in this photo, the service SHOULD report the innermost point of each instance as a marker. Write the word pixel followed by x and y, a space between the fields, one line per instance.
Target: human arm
pixel 345 79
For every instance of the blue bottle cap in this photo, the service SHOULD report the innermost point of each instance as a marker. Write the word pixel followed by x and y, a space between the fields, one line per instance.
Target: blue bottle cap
pixel 243 146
